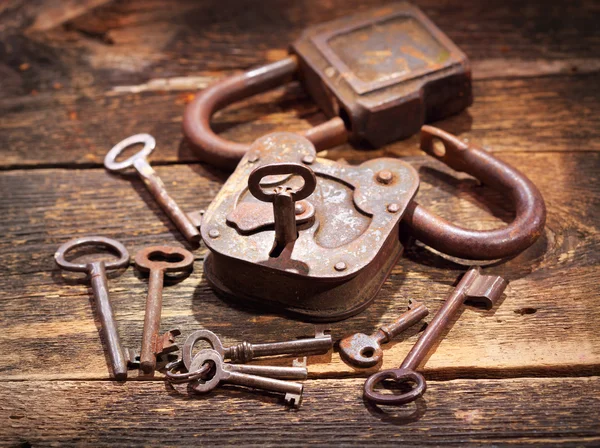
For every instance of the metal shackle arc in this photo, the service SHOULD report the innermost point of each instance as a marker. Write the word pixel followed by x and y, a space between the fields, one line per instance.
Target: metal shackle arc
pixel 226 154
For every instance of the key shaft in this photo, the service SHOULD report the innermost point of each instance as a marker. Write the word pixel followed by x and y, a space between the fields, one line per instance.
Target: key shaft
pixel 472 286
pixel 156 186
pixel 152 320
pixel 99 282
pixel 279 372
pixel 245 351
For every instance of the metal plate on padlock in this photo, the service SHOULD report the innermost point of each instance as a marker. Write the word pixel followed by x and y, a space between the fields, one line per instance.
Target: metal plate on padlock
pixel 347 231
pixel 386 72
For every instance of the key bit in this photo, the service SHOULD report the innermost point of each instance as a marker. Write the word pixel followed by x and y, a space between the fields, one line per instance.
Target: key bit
pixel 323 332
pixel 361 350
pixel 132 357
pixel 165 343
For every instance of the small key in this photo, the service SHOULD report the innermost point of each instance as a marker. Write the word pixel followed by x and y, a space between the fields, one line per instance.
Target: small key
pixel 283 199
pixel 363 350
pixel 234 374
pixel 245 351
pixel 473 286
pixel 97 273
pixel 187 224
pixel 175 260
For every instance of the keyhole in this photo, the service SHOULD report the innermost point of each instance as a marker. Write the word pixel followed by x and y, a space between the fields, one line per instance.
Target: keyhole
pixel 439 149
pixel 278 248
pixel 367 352
pixel 165 258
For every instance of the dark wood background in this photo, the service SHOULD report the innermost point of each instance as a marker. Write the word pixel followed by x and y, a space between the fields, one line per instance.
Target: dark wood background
pixel 78 76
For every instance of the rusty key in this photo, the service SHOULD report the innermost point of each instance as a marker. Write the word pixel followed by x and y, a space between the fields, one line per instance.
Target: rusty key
pixel 187 224
pixel 174 259
pixel 363 350
pixel 283 199
pixel 473 286
pixel 97 273
pixel 240 375
pixel 246 352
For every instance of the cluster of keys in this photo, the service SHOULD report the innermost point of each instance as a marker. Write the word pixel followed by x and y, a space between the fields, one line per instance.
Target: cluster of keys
pixel 311 237
pixel 208 368
pixel 155 260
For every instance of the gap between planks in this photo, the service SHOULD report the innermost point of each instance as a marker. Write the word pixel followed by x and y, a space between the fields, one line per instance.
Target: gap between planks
pixel 94 166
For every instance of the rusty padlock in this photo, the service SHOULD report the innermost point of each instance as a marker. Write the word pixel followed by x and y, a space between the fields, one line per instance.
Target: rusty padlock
pixel 318 238
pixel 380 75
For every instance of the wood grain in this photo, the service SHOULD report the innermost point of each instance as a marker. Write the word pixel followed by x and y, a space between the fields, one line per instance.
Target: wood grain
pixel 519 412
pixel 69 94
pixel 62 130
pixel 129 43
pixel 75 78
pixel 541 327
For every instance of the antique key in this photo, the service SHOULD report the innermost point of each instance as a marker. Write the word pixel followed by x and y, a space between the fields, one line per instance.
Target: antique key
pixel 473 286
pixel 97 273
pixel 233 374
pixel 363 350
pixel 187 224
pixel 245 351
pixel 174 260
pixel 283 199
pixel 378 75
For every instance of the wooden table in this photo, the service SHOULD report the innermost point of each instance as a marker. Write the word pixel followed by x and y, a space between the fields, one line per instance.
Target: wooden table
pixel 75 78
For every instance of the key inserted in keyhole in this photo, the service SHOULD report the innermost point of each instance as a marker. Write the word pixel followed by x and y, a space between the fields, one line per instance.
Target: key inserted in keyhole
pixel 283 199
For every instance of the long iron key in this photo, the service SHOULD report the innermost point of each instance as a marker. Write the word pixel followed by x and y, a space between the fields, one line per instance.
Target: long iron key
pixel 187 224
pixel 363 350
pixel 473 286
pixel 245 351
pixel 233 374
pixel 174 259
pixel 97 273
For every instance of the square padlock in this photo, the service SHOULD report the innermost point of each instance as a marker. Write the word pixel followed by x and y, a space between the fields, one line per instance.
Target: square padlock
pixel 385 72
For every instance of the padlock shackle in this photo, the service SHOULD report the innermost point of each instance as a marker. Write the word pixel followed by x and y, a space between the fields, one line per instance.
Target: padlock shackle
pixel 225 153
pixel 456 241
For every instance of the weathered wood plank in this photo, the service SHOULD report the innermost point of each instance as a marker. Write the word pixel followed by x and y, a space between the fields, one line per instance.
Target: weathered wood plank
pixel 133 42
pixel 520 412
pixel 542 327
pixel 540 114
pixel 57 84
pixel 73 83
